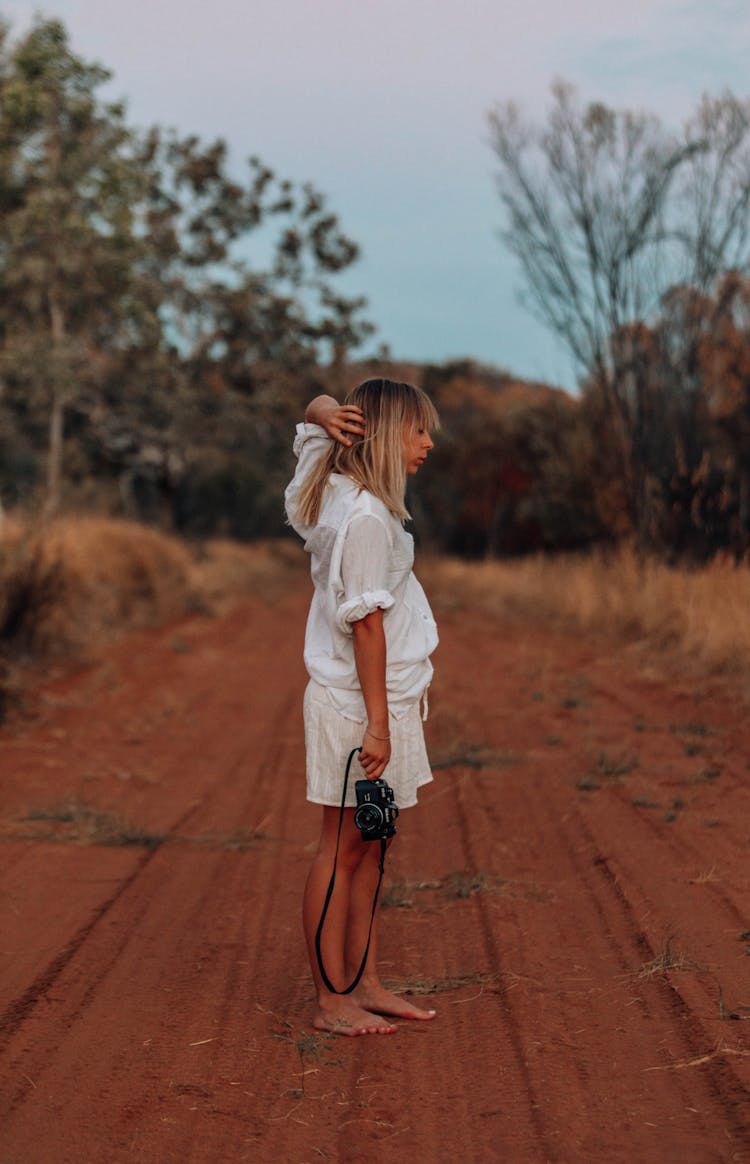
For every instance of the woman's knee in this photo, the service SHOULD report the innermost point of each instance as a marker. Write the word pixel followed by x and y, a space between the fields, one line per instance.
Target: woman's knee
pixel 348 847
pixel 352 856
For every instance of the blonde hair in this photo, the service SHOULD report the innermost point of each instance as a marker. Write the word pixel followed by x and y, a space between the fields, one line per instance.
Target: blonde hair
pixel 376 460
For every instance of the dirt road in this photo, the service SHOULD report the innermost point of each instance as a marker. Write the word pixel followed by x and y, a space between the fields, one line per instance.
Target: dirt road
pixel 572 893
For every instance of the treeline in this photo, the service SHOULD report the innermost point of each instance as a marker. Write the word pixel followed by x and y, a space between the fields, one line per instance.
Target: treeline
pixel 525 468
pixel 147 364
pixel 151 366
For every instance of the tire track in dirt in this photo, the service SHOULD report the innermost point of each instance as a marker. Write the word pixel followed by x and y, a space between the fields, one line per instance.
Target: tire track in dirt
pixel 728 1089
pixel 611 988
pixel 176 1031
pixel 510 1019
pixel 695 837
pixel 129 888
pixel 685 853
pixel 20 1009
pixel 692 989
pixel 36 992
pixel 553 803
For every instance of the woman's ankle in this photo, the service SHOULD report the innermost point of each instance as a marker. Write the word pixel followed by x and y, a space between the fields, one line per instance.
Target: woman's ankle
pixel 368 981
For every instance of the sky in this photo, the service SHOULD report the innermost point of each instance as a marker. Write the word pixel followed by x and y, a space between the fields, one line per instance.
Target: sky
pixel 382 105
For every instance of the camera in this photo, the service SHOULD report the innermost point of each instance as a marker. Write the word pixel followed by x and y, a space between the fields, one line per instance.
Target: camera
pixel 376 810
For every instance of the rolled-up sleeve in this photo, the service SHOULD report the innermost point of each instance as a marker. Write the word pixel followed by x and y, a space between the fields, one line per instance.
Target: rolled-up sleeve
pixel 310 442
pixel 364 571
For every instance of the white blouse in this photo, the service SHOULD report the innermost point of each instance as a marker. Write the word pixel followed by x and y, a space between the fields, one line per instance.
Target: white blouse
pixel 361 560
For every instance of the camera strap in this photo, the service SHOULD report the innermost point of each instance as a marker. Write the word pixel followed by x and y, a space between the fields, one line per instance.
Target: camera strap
pixel 355 981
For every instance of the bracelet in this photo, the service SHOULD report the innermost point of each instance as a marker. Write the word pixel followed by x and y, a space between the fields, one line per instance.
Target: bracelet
pixel 383 738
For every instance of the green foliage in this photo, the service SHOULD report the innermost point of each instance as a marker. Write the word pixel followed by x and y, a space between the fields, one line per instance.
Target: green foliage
pixel 137 341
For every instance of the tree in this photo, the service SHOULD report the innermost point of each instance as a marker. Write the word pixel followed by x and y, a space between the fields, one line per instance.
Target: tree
pixel 697 353
pixel 607 212
pixel 134 330
pixel 725 359
pixel 67 188
pixel 511 471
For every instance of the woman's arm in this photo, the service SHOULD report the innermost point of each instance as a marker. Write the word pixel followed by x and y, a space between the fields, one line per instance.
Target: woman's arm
pixel 368 638
pixel 337 419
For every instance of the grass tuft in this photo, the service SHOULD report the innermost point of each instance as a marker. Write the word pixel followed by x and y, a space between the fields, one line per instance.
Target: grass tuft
pixel 311 1046
pixel 705 776
pixel 668 958
pixel 692 729
pixel 458 886
pixel 474 756
pixel 615 767
pixel 441 985
pixel 400 894
pixel 74 822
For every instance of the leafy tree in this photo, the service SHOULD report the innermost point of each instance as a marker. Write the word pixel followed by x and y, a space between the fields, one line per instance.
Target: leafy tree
pixel 134 331
pixel 67 188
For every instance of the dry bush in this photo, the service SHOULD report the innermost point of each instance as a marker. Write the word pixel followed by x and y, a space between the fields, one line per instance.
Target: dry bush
pixel 702 612
pixel 79 581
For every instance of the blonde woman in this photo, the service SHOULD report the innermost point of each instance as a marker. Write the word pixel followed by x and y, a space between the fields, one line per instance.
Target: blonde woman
pixel 370 634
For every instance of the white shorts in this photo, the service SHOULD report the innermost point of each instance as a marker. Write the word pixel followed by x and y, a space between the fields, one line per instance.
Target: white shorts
pixel 330 737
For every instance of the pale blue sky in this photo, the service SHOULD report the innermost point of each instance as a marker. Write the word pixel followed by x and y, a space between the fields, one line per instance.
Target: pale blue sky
pixel 382 105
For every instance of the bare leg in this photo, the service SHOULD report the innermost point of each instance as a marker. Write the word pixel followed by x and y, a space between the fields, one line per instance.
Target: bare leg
pixel 340 1014
pixel 370 993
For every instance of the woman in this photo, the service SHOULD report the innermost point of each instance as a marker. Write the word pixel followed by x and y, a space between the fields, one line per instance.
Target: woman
pixel 369 636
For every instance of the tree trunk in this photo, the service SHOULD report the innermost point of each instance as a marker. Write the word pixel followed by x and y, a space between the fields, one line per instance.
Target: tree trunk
pixel 744 510
pixel 54 452
pixel 57 409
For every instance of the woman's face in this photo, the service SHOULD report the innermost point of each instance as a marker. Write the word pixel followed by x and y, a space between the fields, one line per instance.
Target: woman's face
pixel 417 444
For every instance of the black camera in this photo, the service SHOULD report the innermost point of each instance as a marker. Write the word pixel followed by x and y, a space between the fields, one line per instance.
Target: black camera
pixel 376 810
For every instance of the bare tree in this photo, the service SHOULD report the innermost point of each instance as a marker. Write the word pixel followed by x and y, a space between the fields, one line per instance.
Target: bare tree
pixel 607 212
pixel 711 216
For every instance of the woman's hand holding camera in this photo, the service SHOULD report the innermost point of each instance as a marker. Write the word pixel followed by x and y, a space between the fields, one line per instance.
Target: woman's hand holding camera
pixel 375 754
pixel 369 654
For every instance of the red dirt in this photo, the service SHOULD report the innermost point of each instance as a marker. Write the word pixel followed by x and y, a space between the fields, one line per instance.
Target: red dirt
pixel 589 822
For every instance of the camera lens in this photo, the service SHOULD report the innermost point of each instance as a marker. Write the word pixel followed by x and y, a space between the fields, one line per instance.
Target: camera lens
pixel 368 817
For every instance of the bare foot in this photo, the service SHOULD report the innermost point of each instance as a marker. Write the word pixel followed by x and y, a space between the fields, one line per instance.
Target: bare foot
pixel 377 999
pixel 345 1017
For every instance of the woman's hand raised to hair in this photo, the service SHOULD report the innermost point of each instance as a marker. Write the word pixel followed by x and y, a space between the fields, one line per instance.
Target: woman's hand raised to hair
pixel 374 755
pixel 340 421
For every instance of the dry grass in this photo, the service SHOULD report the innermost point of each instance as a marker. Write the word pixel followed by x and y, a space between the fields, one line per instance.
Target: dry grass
pixel 669 957
pixel 77 582
pixel 223 569
pixel 441 985
pixel 702 612
pixel 70 583
pixel 72 821
pixel 74 582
